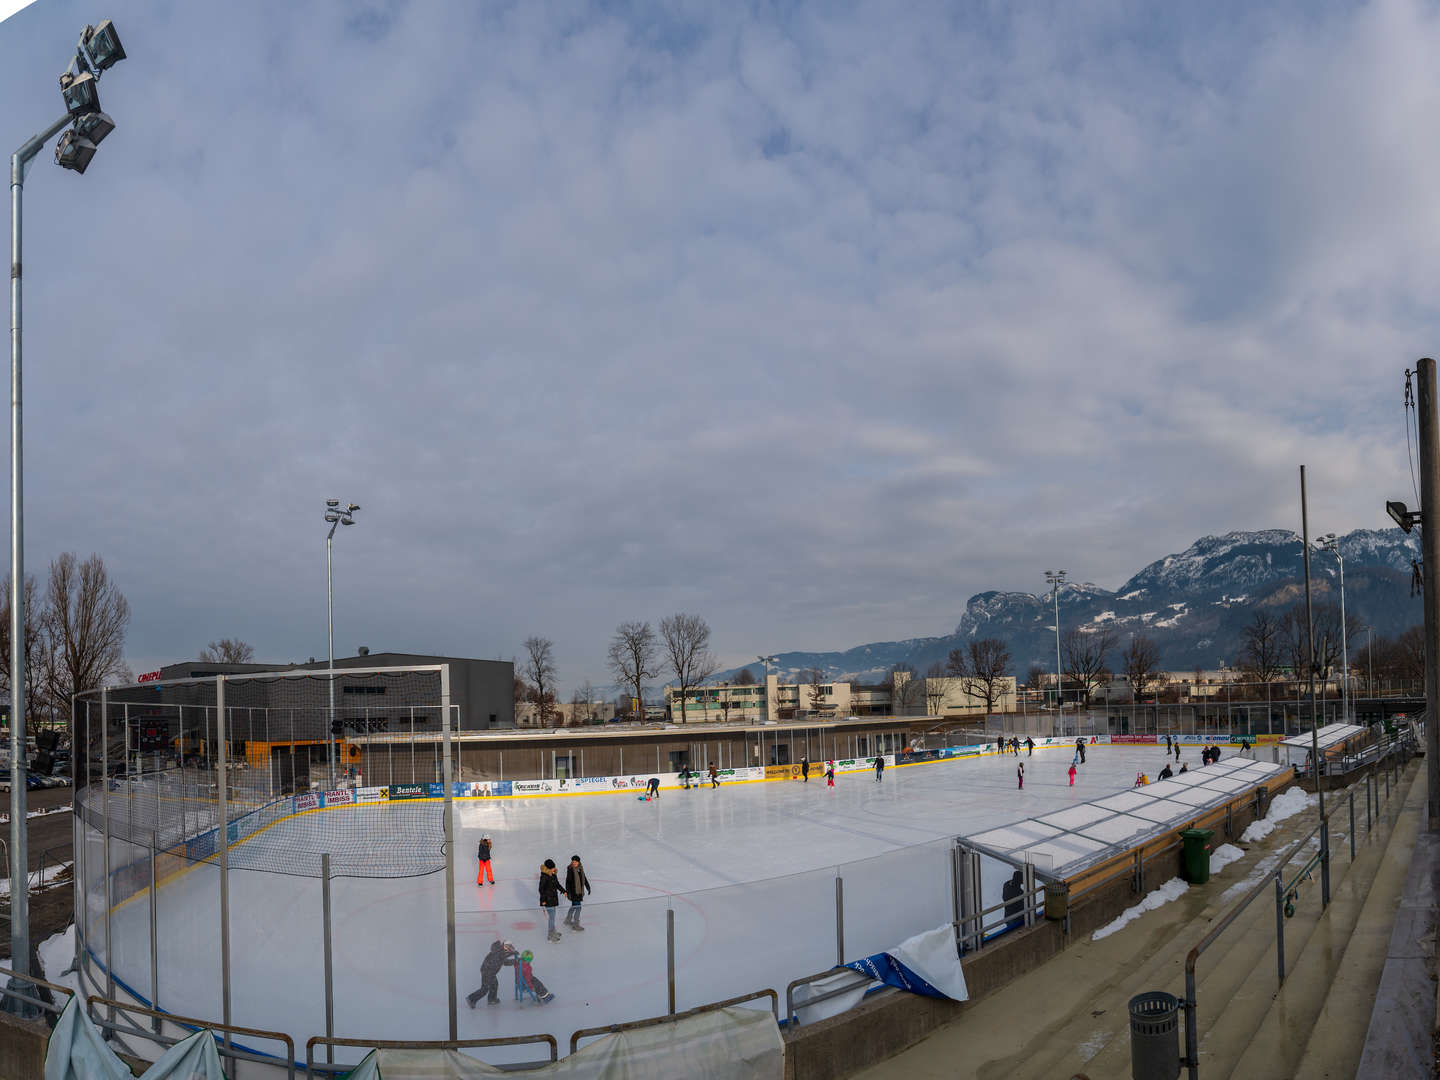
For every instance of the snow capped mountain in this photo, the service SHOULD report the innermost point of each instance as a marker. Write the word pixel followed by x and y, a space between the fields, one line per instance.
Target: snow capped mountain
pixel 1194 604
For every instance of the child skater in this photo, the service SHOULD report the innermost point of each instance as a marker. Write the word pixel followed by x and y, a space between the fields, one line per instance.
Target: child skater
pixel 829 774
pixel 1020 773
pixel 527 982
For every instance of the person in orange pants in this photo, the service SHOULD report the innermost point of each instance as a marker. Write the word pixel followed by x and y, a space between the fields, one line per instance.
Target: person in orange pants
pixel 1072 774
pixel 484 871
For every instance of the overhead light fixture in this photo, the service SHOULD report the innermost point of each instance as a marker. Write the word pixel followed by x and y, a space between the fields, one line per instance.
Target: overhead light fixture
pixel 100 45
pixel 94 126
pixel 74 152
pixel 1406 518
pixel 81 93
pixel 332 502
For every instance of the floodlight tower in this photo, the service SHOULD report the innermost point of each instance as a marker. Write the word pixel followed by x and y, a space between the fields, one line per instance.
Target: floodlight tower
pixel 98 50
pixel 767 661
pixel 1330 542
pixel 336 516
pixel 1056 578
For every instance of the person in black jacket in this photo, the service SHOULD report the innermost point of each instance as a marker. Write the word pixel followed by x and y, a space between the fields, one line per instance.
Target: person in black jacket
pixel 576 886
pixel 482 853
pixel 1013 894
pixel 501 954
pixel 549 894
pixel 804 770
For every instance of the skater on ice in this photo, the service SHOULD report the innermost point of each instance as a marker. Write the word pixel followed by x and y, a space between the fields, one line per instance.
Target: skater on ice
pixel 1080 748
pixel 879 767
pixel 1166 773
pixel 549 894
pixel 829 774
pixel 1020 774
pixel 527 982
pixel 714 776
pixel 501 954
pixel 482 853
pixel 804 770
pixel 652 789
pixel 685 777
pixel 1072 774
pixel 576 886
pixel 1029 746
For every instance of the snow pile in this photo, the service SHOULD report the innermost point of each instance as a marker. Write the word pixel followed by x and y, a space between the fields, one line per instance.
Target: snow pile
pixel 47 877
pixel 1287 804
pixel 1223 856
pixel 1171 890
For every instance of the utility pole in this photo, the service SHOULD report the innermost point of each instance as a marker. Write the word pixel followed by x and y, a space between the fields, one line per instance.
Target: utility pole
pixel 1430 559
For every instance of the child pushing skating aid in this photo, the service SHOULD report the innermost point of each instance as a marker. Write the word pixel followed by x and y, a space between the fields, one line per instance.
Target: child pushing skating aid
pixel 527 983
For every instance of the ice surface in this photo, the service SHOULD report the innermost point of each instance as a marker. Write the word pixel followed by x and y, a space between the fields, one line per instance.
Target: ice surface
pixel 749 871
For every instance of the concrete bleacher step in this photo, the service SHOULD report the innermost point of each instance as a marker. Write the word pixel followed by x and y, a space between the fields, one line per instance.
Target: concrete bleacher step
pixel 1098 1045
pixel 1263 1028
pixel 1236 977
pixel 1338 1037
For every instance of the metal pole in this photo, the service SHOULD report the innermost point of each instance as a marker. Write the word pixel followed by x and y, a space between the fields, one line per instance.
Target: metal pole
pixel 19 869
pixel 1192 1037
pixel 224 842
pixel 1324 863
pixel 105 806
pixel 330 634
pixel 1059 675
pixel 1310 638
pixel 1352 825
pixel 154 936
pixel 1344 645
pixel 1430 560
pixel 1280 927
pixel 447 778
pixel 839 921
pixel 329 966
pixel 670 955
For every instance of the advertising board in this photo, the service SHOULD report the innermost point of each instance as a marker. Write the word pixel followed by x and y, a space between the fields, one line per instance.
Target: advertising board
pixel 308 801
pixel 371 795
pixel 408 791
pixel 339 798
pixel 1151 739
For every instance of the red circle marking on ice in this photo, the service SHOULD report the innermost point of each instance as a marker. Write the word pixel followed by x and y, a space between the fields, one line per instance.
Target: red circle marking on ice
pixel 523 925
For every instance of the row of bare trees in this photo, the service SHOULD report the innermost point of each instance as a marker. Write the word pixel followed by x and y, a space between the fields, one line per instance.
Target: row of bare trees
pixel 74 635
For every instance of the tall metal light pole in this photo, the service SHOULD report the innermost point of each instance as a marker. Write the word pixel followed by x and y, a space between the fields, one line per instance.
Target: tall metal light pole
pixel 1330 542
pixel 98 50
pixel 1056 578
pixel 336 516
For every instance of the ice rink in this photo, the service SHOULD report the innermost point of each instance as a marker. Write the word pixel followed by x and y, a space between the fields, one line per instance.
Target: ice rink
pixel 749 870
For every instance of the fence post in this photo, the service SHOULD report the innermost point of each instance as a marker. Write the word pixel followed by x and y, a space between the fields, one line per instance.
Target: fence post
pixel 154 937
pixel 839 921
pixel 105 800
pixel 329 965
pixel 448 778
pixel 221 790
pixel 1324 862
pixel 1368 826
pixel 1029 879
pixel 956 908
pixel 1280 925
pixel 670 955
pixel 1352 825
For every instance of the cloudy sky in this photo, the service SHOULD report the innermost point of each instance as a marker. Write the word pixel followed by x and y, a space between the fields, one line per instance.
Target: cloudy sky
pixel 813 320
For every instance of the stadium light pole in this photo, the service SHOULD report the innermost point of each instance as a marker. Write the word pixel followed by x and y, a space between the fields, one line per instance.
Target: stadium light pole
pixel 1331 543
pixel 1056 578
pixel 97 51
pixel 336 517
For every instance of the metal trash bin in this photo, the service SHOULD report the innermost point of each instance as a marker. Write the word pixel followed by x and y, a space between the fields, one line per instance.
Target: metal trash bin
pixel 1154 1036
pixel 1196 854
pixel 1057 900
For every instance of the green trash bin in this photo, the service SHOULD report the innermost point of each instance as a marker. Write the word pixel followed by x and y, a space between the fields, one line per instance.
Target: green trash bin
pixel 1195 852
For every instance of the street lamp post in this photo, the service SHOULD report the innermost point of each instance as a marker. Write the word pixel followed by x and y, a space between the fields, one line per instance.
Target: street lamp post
pixel 336 517
pixel 1330 542
pixel 98 50
pixel 1056 578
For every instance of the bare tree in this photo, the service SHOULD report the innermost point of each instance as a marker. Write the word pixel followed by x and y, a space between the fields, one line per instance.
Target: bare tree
pixel 745 678
pixel 814 677
pixel 1408 663
pixel 981 667
pixel 1142 664
pixel 1036 677
pixel 39 651
pixel 227 651
pixel 88 618
pixel 938 685
pixel 1086 658
pixel 631 658
pixel 582 704
pixel 1262 652
pixel 540 672
pixel 685 640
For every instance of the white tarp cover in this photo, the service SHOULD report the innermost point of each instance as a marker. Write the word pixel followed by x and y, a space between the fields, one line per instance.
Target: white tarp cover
pixel 932 955
pixel 723 1044
pixel 859 985
pixel 76 1050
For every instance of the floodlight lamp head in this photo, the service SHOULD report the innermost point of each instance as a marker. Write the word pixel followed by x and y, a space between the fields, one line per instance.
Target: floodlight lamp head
pixel 332 518
pixel 353 507
pixel 100 46
pixel 74 152
pixel 81 93
pixel 347 520
pixel 94 126
pixel 332 502
pixel 1406 518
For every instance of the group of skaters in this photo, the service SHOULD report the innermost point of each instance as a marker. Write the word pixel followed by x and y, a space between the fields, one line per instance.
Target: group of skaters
pixel 687 775
pixel 1014 745
pixel 829 771
pixel 503 954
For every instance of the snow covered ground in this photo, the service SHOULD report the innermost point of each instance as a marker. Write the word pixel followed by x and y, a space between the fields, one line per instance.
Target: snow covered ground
pixel 749 871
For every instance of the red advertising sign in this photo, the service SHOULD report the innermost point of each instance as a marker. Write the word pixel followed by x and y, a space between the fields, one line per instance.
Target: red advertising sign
pixel 149 676
pixel 1134 738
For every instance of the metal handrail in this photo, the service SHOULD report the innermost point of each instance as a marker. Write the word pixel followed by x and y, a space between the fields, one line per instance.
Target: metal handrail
pixel 670 1018
pixel 818 998
pixel 312 1066
pixel 225 1048
pixel 1272 879
pixel 47 1006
